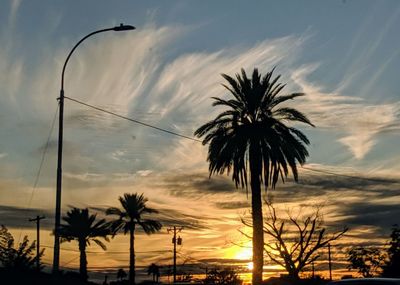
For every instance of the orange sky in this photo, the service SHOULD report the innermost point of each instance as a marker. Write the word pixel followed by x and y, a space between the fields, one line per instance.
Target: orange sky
pixel 343 54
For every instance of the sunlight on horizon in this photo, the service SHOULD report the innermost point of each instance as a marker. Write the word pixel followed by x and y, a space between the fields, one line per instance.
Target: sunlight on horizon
pixel 250 265
pixel 241 250
pixel 245 252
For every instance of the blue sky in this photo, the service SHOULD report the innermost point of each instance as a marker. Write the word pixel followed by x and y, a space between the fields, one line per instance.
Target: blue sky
pixel 344 54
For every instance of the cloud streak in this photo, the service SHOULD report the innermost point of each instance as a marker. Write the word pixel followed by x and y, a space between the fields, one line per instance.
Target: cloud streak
pixel 139 75
pixel 357 122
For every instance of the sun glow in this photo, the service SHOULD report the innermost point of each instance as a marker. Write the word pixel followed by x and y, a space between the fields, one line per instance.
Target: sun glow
pixel 250 266
pixel 244 252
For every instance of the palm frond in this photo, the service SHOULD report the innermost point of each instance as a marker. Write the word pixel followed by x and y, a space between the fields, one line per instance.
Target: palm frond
pixel 283 98
pixel 252 116
pixel 150 226
pixel 100 243
pixel 291 114
pixel 81 225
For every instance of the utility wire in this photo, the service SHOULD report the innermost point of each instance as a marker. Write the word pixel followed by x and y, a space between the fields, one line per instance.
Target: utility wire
pixel 187 256
pixel 43 157
pixel 69 261
pixel 132 120
pixel 106 251
pixel 40 166
pixel 197 140
pixel 351 176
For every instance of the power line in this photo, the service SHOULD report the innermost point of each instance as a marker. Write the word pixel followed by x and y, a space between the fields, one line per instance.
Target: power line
pixel 132 120
pixel 40 166
pixel 350 176
pixel 43 156
pixel 69 261
pixel 192 258
pixel 106 251
pixel 197 140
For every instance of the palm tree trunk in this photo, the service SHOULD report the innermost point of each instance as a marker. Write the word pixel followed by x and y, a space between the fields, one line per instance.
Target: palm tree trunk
pixel 132 255
pixel 257 217
pixel 82 260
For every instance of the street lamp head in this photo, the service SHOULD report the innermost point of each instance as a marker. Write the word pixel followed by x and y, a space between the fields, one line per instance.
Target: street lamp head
pixel 123 27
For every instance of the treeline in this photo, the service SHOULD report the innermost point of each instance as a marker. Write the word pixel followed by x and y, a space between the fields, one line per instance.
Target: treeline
pixel 373 261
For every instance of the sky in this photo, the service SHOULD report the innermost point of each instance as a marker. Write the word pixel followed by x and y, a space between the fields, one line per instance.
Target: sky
pixel 345 55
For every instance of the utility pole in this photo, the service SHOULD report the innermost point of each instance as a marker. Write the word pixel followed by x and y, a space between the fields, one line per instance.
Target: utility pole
pixel 37 220
pixel 330 261
pixel 313 270
pixel 56 254
pixel 175 241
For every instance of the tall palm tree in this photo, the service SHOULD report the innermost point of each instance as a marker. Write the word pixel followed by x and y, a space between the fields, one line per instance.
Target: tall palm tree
pixel 251 138
pixel 129 216
pixel 83 228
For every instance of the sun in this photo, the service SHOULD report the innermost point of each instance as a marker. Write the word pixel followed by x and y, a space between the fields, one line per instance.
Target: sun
pixel 245 253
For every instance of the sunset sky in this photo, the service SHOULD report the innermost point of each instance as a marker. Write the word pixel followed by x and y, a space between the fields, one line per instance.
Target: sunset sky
pixel 345 55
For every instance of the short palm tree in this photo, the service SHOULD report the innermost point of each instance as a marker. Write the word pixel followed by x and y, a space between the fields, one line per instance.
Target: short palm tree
pixel 83 228
pixel 129 216
pixel 121 274
pixel 154 270
pixel 251 138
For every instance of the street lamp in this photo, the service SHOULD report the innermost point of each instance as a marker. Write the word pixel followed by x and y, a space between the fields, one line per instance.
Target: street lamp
pixel 56 257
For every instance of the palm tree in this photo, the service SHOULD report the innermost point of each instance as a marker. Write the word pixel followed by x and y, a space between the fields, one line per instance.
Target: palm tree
pixel 154 270
pixel 251 138
pixel 83 227
pixel 121 274
pixel 132 214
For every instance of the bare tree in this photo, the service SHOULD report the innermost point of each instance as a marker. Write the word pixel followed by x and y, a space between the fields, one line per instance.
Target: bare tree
pixel 294 242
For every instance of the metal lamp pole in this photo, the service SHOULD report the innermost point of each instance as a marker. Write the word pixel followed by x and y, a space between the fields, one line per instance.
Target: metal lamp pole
pixel 56 257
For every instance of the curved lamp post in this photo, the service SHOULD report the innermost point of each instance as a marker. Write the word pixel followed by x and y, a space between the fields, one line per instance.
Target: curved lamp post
pixel 56 257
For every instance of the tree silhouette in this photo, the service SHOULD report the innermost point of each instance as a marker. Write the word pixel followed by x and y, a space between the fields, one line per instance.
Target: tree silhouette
pixel 154 270
pixel 121 274
pixel 129 216
pixel 295 240
pixel 251 136
pixel 83 228
pixel 368 261
pixel 227 276
pixel 392 266
pixel 373 261
pixel 19 258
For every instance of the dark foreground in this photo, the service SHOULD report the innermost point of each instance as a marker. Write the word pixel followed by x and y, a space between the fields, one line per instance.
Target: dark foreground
pixel 8 277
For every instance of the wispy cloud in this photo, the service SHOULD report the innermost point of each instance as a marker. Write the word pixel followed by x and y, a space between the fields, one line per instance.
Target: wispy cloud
pixel 14 10
pixel 356 121
pixel 138 75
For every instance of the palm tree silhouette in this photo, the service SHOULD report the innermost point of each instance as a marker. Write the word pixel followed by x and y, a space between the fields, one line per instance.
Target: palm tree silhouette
pixel 154 270
pixel 251 137
pixel 121 274
pixel 131 214
pixel 83 227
